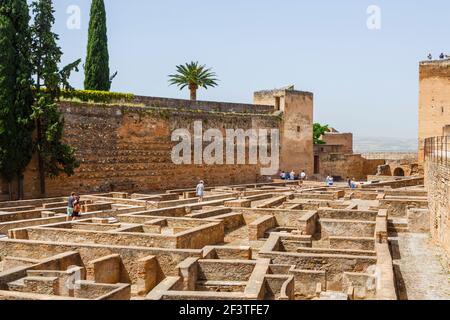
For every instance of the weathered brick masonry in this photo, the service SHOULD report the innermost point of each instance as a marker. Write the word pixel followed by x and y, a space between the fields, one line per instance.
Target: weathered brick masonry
pixel 127 146
pixel 123 148
pixel 434 102
pixel 437 179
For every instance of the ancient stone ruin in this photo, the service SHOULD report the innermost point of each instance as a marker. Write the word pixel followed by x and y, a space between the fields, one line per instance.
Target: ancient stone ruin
pixel 272 241
pixel 253 237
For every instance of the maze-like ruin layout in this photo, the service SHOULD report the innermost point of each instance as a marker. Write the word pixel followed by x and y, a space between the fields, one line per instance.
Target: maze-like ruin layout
pixel 277 241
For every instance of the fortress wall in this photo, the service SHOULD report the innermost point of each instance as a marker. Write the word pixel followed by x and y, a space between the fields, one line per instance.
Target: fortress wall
pixel 342 139
pixel 407 157
pixel 204 105
pixel 437 180
pixel 128 148
pixel 434 104
pixel 296 130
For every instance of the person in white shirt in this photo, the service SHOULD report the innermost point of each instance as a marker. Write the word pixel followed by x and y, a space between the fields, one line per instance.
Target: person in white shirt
pixel 200 191
pixel 330 181
pixel 292 175
pixel 303 175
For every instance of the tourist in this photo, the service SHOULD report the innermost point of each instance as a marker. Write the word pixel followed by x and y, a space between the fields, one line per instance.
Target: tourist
pixel 282 175
pixel 70 204
pixel 442 56
pixel 329 181
pixel 349 182
pixel 354 185
pixel 303 175
pixel 430 57
pixel 200 191
pixel 76 208
pixel 292 175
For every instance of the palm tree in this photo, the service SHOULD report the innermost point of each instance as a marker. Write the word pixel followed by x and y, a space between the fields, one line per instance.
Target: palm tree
pixel 193 76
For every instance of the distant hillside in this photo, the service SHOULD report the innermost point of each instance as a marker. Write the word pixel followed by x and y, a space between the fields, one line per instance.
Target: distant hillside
pixel 375 144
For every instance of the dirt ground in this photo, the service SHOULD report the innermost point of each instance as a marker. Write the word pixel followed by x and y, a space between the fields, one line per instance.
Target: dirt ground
pixel 421 270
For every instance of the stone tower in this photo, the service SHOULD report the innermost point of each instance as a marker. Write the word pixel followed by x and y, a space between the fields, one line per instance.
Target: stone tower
pixel 297 126
pixel 434 104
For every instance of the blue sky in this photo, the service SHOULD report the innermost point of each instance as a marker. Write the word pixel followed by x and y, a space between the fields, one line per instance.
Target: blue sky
pixel 364 81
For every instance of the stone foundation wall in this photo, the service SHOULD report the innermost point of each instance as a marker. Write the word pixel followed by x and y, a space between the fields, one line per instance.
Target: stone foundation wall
pixel 437 180
pixel 397 184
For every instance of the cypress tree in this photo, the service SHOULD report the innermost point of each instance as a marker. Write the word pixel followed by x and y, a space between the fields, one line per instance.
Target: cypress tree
pixel 16 97
pixel 7 94
pixel 97 59
pixel 45 52
pixel 54 157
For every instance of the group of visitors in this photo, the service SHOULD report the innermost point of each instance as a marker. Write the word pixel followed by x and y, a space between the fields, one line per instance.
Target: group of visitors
pixel 293 176
pixel 442 56
pixel 351 183
pixel 74 203
pixel 73 206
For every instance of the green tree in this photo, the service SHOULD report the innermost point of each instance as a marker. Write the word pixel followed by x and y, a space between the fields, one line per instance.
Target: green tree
pixel 16 97
pixel 96 69
pixel 7 95
pixel 319 131
pixel 54 157
pixel 193 76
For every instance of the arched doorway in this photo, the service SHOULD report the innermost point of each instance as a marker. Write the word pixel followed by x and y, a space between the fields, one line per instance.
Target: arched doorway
pixel 399 172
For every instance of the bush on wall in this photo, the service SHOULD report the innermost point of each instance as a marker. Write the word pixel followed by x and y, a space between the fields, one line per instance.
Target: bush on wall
pixel 96 96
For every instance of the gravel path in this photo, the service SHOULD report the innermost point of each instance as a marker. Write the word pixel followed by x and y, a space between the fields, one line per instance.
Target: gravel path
pixel 421 271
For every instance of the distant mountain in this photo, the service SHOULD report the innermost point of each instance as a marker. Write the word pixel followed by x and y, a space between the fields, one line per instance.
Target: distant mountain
pixel 382 144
